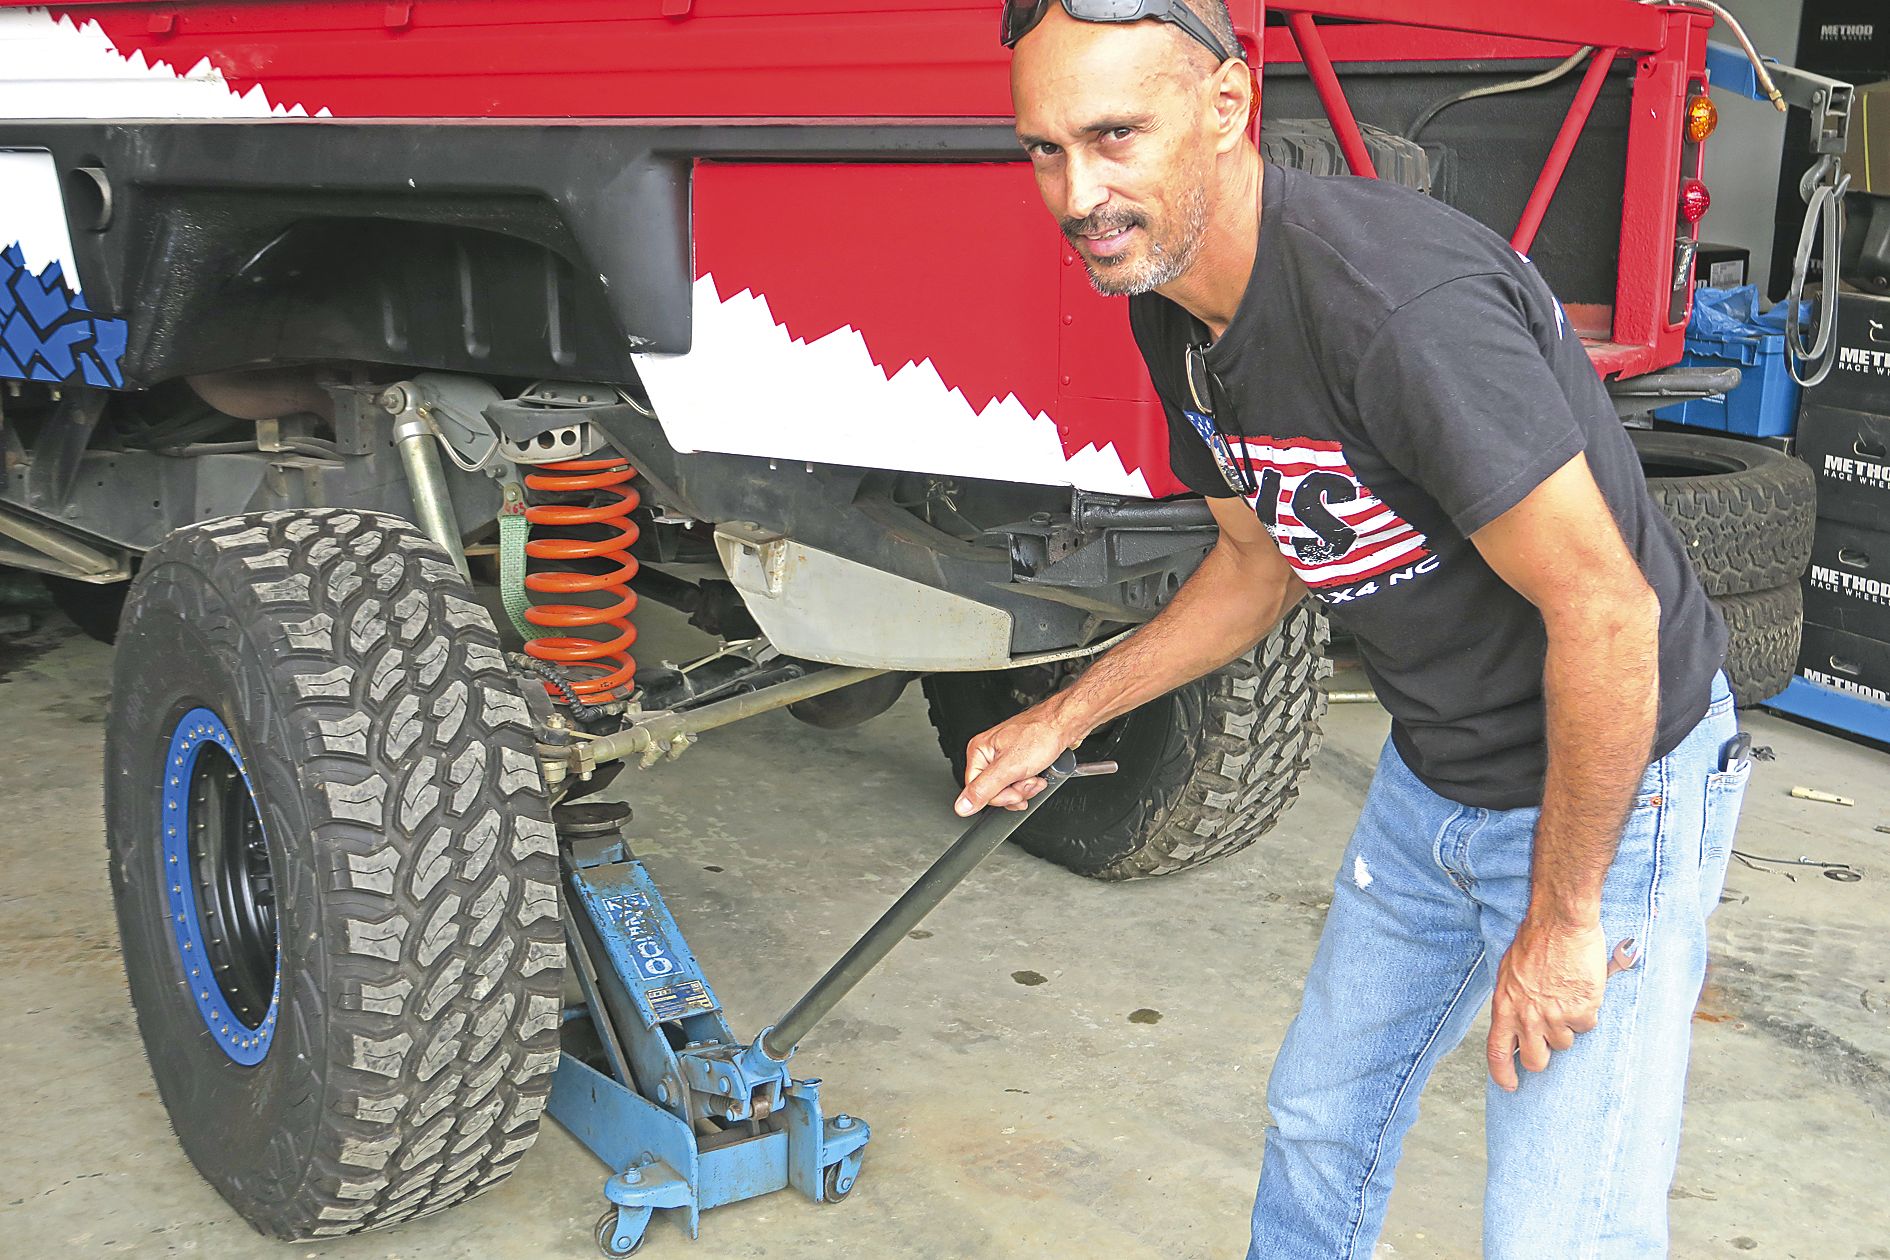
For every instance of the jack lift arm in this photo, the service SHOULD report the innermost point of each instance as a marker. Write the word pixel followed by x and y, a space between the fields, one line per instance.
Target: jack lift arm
pixel 653 1080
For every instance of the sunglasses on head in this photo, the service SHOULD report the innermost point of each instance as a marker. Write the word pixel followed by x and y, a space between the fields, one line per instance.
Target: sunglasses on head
pixel 1020 18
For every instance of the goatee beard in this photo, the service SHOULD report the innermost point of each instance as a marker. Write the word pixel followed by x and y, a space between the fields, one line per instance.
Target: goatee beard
pixel 1167 260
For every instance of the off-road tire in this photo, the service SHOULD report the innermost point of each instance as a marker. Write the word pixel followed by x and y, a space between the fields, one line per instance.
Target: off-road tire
pixel 1205 770
pixel 1765 628
pixel 391 764
pixel 1308 144
pixel 1745 511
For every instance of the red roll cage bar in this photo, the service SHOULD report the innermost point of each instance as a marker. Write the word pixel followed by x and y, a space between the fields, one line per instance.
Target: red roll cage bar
pixel 1666 45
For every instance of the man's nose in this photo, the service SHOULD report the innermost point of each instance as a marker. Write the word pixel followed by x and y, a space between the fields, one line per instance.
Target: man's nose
pixel 1086 190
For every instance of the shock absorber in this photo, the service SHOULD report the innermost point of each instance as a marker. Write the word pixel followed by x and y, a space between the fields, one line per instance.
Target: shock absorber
pixel 598 666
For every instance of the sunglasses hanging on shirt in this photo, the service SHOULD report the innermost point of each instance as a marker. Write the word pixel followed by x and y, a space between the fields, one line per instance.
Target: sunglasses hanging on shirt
pixel 1206 421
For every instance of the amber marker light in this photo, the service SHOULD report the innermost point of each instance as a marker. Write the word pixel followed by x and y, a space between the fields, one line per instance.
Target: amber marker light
pixel 1702 117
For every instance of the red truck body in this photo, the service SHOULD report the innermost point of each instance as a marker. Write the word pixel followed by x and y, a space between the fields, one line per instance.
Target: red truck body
pixel 919 314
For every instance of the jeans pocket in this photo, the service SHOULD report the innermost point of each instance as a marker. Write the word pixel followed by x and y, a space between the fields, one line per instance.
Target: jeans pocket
pixel 1725 790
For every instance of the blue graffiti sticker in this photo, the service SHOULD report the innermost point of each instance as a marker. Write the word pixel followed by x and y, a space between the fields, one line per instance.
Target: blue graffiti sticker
pixel 47 333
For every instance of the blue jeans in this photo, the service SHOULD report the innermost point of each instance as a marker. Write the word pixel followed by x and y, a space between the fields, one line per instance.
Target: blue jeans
pixel 1428 898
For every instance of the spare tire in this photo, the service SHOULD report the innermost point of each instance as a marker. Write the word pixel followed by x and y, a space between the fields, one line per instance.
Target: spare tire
pixel 1764 629
pixel 1205 770
pixel 1745 511
pixel 1308 144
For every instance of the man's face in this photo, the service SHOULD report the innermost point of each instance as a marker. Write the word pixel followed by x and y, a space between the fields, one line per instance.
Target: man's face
pixel 1115 121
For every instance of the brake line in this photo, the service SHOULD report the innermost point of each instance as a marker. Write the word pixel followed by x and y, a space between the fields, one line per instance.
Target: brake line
pixel 1497 89
pixel 1759 71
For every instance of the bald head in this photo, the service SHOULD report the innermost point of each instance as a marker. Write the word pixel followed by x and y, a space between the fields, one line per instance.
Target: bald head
pixel 1129 127
pixel 1213 14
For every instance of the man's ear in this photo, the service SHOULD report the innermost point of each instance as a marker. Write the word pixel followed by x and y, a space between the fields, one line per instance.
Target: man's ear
pixel 1236 96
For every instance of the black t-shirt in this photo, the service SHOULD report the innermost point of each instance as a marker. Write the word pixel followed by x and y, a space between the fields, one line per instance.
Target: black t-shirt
pixel 1396 377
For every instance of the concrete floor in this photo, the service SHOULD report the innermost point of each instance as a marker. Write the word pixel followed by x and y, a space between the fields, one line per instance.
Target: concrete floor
pixel 1018 1108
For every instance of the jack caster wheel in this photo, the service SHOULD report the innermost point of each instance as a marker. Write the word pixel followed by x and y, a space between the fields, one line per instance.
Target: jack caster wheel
pixel 839 1184
pixel 606 1235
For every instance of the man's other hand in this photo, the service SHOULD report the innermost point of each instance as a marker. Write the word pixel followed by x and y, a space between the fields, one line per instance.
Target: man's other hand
pixel 1003 764
pixel 1548 992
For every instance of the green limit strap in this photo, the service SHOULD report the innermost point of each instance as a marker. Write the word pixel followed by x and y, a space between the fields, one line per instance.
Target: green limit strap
pixel 514 530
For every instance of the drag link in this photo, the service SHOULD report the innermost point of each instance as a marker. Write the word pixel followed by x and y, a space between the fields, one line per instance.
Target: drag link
pixel 991 830
pixel 667 733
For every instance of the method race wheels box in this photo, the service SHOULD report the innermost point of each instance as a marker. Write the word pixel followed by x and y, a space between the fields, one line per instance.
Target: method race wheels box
pixel 1849 451
pixel 1860 369
pixel 1848 585
pixel 1849 663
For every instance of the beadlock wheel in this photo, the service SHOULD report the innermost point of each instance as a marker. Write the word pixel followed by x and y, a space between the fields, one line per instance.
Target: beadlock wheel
pixel 222 891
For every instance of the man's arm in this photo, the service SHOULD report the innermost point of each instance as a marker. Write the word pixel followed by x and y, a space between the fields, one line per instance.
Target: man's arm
pixel 1239 593
pixel 1559 547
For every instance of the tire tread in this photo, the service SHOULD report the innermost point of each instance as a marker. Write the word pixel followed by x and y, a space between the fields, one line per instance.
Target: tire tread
pixel 1310 145
pixel 411 739
pixel 1765 629
pixel 1745 529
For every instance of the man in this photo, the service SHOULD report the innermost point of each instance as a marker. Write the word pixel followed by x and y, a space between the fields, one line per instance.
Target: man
pixel 1389 411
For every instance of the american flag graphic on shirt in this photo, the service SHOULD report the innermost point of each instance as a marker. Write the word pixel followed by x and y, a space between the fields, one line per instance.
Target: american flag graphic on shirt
pixel 1330 527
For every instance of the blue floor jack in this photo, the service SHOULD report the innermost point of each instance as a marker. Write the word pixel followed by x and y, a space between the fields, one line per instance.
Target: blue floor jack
pixel 652 1079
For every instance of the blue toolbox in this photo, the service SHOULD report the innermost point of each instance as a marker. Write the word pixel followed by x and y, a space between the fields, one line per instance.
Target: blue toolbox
pixel 1765 402
pixel 1728 329
pixel 1823 704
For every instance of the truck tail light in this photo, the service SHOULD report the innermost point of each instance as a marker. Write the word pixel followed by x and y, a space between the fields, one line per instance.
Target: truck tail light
pixel 1702 117
pixel 1694 200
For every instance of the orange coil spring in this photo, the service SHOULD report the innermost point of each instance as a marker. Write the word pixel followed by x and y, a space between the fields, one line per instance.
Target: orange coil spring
pixel 607 660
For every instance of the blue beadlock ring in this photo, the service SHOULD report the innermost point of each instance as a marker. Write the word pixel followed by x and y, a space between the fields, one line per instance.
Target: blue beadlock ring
pixel 245 1045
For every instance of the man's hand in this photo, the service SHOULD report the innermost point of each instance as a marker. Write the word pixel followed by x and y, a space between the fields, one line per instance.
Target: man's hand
pixel 1002 765
pixel 1548 992
pixel 1560 549
pixel 1239 593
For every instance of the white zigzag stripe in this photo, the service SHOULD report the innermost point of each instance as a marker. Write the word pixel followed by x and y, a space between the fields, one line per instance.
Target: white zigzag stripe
pixel 749 388
pixel 1382 517
pixel 52 68
pixel 33 213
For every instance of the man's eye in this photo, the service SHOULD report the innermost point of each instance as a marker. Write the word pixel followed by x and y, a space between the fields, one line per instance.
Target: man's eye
pixel 1045 150
pixel 1121 133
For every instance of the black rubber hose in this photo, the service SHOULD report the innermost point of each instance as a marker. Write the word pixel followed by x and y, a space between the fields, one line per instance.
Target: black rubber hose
pixel 550 672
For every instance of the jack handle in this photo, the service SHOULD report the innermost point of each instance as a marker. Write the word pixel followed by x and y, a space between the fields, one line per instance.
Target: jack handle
pixel 992 828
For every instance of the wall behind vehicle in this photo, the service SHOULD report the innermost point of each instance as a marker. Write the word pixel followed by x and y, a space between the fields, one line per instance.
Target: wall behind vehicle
pixel 1744 156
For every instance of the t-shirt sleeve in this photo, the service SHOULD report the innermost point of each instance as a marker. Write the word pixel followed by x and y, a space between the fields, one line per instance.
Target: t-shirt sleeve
pixel 1456 393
